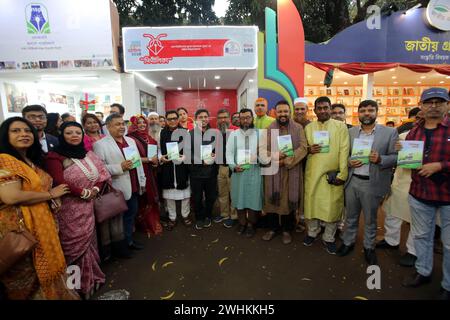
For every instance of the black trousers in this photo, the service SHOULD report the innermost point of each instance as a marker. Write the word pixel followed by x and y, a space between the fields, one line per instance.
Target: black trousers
pixel 279 223
pixel 207 187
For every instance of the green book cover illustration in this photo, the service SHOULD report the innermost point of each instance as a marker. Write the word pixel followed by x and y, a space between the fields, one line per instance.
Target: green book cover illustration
pixel 411 154
pixel 243 158
pixel 322 138
pixel 152 151
pixel 206 152
pixel 285 145
pixel 172 151
pixel 131 153
pixel 361 150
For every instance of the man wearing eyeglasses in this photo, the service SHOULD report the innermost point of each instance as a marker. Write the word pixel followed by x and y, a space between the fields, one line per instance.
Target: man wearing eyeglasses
pixel 338 113
pixel 37 115
pixel 262 120
pixel 429 192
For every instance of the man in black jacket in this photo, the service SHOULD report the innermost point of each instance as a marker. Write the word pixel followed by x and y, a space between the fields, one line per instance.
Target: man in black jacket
pixel 203 170
pixel 37 115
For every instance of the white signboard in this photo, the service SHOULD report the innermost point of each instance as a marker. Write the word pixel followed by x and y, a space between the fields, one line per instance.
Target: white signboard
pixel 189 48
pixel 438 14
pixel 55 34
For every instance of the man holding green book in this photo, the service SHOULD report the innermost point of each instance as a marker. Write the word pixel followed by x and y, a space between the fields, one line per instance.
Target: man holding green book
pixel 370 164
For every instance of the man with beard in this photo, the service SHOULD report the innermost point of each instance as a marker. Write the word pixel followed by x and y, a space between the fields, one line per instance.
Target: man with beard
pixel 301 111
pixel 246 179
pixel 262 120
pixel 154 127
pixel 235 120
pixel 370 182
pixel 284 190
pixel 227 214
pixel 325 174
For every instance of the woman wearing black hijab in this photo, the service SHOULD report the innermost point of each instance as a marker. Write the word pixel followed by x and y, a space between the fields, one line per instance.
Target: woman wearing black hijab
pixel 85 175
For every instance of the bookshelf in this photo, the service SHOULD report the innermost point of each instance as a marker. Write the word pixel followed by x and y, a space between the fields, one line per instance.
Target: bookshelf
pixel 394 101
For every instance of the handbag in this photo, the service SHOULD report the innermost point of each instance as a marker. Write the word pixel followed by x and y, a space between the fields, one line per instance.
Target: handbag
pixel 109 203
pixel 15 245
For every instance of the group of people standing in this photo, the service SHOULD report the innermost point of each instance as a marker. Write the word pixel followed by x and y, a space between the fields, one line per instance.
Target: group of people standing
pixel 262 171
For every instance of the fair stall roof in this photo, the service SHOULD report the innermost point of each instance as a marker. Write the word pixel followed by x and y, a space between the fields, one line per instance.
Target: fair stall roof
pixel 195 79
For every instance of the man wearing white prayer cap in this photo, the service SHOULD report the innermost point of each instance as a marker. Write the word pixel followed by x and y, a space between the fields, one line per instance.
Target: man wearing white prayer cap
pixel 300 111
pixel 154 128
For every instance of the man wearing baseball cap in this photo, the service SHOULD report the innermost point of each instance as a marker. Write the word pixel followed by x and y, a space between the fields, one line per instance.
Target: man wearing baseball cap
pixel 429 192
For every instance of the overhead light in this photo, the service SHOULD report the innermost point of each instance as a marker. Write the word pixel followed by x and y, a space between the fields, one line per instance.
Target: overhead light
pixel 395 82
pixel 170 78
pixel 447 77
pixel 179 88
pixel 419 82
pixel 422 77
pixel 321 82
pixel 308 76
pixel 337 77
pixel 412 9
pixel 345 82
pixel 394 77
pixel 250 80
pixel 441 81
pixel 393 69
pixel 75 78
pixel 217 88
pixel 204 82
pixel 217 77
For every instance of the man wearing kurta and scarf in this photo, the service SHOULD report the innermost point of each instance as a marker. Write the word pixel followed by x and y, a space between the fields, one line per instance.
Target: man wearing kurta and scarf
pixel 284 190
pixel 325 175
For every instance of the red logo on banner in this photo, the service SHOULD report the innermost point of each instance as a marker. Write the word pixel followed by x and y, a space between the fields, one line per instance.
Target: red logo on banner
pixel 163 51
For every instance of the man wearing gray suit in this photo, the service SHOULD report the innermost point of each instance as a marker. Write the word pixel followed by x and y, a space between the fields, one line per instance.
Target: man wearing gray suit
pixel 369 181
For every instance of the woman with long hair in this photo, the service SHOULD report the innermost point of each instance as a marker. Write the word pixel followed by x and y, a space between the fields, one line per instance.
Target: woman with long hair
pixel 148 217
pixel 25 192
pixel 92 130
pixel 85 175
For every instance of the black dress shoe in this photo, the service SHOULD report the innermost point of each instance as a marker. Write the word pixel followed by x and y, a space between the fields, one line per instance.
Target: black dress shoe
pixel 384 245
pixel 371 256
pixel 407 260
pixel 444 295
pixel 241 229
pixel 120 250
pixel 416 280
pixel 136 246
pixel 344 250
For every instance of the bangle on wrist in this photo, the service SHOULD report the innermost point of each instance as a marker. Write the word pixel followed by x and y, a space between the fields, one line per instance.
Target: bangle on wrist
pixel 96 188
pixel 51 195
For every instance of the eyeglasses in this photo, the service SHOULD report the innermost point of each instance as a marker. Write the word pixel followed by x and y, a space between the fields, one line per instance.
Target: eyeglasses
pixel 171 119
pixel 33 117
pixel 260 105
pixel 246 117
pixel 437 103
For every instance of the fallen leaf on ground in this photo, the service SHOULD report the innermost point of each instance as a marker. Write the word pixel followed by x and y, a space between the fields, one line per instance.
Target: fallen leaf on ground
pixel 360 298
pixel 167 263
pixel 154 266
pixel 306 279
pixel 226 248
pixel 168 296
pixel 194 235
pixel 215 241
pixel 222 261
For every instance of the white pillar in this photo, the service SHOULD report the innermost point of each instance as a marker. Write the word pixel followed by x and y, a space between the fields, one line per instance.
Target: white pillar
pixel 130 95
pixel 368 80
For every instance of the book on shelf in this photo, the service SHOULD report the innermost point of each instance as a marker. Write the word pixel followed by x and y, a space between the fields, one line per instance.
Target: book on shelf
pixel 339 92
pixel 388 102
pixel 357 92
pixel 329 92
pixel 311 92
pixel 322 92
pixel 346 92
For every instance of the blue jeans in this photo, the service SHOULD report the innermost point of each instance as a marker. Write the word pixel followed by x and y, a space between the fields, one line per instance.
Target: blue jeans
pixel 423 223
pixel 129 217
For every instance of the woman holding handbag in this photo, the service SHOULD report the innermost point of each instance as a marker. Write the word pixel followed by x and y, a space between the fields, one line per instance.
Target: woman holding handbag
pixel 25 190
pixel 85 175
pixel 148 216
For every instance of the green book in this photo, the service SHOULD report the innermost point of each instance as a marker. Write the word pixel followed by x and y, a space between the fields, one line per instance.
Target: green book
pixel 361 150
pixel 322 138
pixel 206 152
pixel 172 151
pixel 243 158
pixel 411 154
pixel 285 145
pixel 131 153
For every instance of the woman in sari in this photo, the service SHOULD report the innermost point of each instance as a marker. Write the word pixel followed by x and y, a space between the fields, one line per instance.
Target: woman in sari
pixel 148 217
pixel 25 190
pixel 85 175
pixel 92 129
